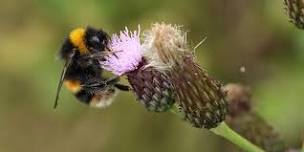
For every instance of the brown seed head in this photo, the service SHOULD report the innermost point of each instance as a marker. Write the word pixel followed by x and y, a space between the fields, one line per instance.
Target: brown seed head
pixel 164 44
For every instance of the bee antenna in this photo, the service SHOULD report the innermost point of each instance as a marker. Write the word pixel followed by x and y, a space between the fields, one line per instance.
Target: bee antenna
pixel 111 51
pixel 66 65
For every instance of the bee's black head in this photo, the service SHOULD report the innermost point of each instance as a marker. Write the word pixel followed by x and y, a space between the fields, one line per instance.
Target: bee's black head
pixel 96 40
pixel 84 41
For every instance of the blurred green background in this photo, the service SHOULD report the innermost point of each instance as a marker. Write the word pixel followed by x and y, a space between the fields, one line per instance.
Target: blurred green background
pixel 254 34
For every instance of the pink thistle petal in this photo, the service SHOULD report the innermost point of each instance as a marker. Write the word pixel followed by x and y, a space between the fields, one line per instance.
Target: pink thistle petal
pixel 127 53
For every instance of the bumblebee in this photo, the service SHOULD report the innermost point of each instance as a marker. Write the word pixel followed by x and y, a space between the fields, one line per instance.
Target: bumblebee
pixel 82 74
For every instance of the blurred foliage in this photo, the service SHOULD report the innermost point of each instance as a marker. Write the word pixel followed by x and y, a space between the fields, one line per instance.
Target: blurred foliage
pixel 253 34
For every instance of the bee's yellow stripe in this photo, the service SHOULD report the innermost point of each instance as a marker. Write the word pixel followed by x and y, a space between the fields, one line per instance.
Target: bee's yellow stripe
pixel 77 39
pixel 72 85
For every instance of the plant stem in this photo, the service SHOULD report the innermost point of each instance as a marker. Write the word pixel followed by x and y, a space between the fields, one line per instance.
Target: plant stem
pixel 225 131
pixel 302 150
pixel 174 109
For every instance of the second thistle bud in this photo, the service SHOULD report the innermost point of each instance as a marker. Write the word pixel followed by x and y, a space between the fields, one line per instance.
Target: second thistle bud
pixel 200 97
pixel 247 122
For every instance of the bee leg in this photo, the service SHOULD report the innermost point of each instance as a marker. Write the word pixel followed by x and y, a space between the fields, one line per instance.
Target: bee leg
pixel 115 80
pixel 112 80
pixel 122 87
pixel 100 84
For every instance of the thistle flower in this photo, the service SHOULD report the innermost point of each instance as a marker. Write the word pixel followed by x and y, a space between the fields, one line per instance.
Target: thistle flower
pixel 148 84
pixel 200 97
pixel 127 53
pixel 295 11
pixel 248 123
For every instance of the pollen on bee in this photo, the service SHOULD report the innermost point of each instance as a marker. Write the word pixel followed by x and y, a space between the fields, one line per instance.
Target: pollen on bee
pixel 72 85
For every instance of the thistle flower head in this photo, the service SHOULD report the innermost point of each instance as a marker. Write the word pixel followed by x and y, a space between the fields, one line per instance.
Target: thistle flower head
pixel 127 53
pixel 149 85
pixel 163 44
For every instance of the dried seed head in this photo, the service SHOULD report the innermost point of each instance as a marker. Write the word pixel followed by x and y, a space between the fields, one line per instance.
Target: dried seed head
pixel 200 97
pixel 164 44
pixel 295 11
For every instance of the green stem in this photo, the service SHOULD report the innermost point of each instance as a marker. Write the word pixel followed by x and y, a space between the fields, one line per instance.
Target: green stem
pixel 174 109
pixel 302 147
pixel 225 131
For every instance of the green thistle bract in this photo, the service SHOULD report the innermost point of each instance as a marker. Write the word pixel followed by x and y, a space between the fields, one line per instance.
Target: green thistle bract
pixel 151 88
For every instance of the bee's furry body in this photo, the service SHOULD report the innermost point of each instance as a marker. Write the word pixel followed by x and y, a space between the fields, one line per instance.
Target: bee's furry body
pixel 88 74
